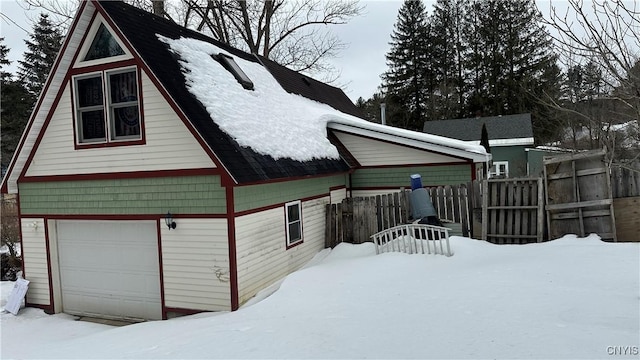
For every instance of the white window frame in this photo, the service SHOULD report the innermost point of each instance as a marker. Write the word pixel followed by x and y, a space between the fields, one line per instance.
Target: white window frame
pixel 495 169
pixel 91 34
pixel 288 222
pixel 107 106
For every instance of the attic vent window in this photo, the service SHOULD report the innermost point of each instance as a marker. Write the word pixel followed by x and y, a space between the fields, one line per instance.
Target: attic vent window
pixel 103 45
pixel 231 66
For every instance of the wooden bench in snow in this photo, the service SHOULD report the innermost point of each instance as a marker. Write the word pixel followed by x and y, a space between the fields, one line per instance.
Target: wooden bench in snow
pixel 413 239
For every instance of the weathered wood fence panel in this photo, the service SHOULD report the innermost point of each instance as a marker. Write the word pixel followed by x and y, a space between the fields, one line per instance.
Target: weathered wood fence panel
pixel 512 211
pixel 627 211
pixel 579 197
pixel 452 204
pixel 625 180
pixel 625 189
pixel 391 210
pixel 356 219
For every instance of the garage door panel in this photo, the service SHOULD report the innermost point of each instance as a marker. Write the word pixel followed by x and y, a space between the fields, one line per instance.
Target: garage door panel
pixel 110 268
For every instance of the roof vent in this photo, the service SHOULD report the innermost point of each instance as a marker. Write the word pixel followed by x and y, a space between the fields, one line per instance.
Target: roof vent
pixel 231 66
pixel 306 81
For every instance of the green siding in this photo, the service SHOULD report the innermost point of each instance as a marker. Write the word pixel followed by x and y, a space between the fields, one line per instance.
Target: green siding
pixel 535 159
pixel 180 195
pixel 515 155
pixel 257 196
pixel 399 176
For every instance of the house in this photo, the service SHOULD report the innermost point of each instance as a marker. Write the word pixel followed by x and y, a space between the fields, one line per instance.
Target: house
pixel 509 137
pixel 164 173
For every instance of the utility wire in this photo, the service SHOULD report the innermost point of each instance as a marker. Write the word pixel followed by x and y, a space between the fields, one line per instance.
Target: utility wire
pixel 10 20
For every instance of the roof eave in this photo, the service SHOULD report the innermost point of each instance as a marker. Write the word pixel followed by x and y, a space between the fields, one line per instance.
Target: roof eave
pixel 507 142
pixel 413 142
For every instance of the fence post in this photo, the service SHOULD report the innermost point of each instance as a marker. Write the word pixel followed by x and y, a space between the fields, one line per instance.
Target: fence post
pixel 485 208
pixel 541 211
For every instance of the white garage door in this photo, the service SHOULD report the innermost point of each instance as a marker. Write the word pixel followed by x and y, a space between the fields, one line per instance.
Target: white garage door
pixel 109 269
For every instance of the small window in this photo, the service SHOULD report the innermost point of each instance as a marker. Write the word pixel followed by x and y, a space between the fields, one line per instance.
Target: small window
pixel 90 110
pixel 293 216
pixel 499 169
pixel 231 66
pixel 103 45
pixel 107 106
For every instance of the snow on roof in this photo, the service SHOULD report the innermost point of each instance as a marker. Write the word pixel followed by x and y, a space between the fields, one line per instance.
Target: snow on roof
pixel 268 119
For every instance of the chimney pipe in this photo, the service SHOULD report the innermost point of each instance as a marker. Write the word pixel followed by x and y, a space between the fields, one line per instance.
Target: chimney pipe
pixel 383 114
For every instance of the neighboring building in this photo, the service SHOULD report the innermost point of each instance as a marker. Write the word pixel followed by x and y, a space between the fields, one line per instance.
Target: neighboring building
pixel 509 137
pixel 164 173
pixel 535 158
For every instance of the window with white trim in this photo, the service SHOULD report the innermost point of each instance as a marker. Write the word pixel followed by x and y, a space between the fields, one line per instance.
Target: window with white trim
pixel 499 169
pixel 293 214
pixel 107 107
pixel 104 45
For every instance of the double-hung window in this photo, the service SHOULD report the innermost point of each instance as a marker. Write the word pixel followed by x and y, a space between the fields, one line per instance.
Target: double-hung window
pixel 293 214
pixel 499 169
pixel 107 106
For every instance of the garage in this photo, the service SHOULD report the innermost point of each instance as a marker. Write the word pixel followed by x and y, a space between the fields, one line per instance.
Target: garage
pixel 109 269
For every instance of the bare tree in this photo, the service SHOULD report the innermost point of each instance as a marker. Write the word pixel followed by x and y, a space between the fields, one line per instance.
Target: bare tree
pixel 606 35
pixel 9 238
pixel 294 33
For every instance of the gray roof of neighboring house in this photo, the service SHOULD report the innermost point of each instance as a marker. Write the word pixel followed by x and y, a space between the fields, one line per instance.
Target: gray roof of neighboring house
pixel 498 127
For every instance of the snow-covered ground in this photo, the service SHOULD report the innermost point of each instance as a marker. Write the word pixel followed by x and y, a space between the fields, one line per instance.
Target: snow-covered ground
pixel 569 298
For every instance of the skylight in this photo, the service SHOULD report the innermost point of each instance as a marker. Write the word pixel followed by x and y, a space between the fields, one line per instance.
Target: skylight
pixel 230 64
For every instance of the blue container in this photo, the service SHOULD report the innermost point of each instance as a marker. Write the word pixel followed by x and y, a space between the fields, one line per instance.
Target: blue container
pixel 416 181
pixel 421 206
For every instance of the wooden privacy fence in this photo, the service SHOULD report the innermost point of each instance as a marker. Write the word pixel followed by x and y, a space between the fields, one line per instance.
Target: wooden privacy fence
pixel 451 203
pixel 512 211
pixel 625 186
pixel 579 199
pixel 356 219
pixel 625 180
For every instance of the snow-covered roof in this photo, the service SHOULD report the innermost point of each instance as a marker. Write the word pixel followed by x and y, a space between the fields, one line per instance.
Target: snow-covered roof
pixel 278 130
pixel 270 120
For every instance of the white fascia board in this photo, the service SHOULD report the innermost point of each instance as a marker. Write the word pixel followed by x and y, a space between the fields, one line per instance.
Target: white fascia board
pixel 413 142
pixel 506 142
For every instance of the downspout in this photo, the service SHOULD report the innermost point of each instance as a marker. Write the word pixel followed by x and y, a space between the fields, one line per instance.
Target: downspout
pixel 231 237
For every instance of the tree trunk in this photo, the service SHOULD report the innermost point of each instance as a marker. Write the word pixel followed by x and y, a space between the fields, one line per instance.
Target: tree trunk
pixel 158 7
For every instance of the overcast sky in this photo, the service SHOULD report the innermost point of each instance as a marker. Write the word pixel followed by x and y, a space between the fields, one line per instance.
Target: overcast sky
pixel 360 64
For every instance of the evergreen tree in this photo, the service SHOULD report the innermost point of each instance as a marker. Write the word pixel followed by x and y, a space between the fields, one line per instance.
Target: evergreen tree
pixel 544 91
pixel 484 138
pixel 42 49
pixel 15 107
pixel 408 80
pixel 371 107
pixel 448 51
pixel 4 61
pixel 476 55
pixel 508 55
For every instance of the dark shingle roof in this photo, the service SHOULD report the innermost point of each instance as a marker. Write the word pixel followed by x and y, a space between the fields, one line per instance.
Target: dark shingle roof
pixel 296 83
pixel 245 165
pixel 498 127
